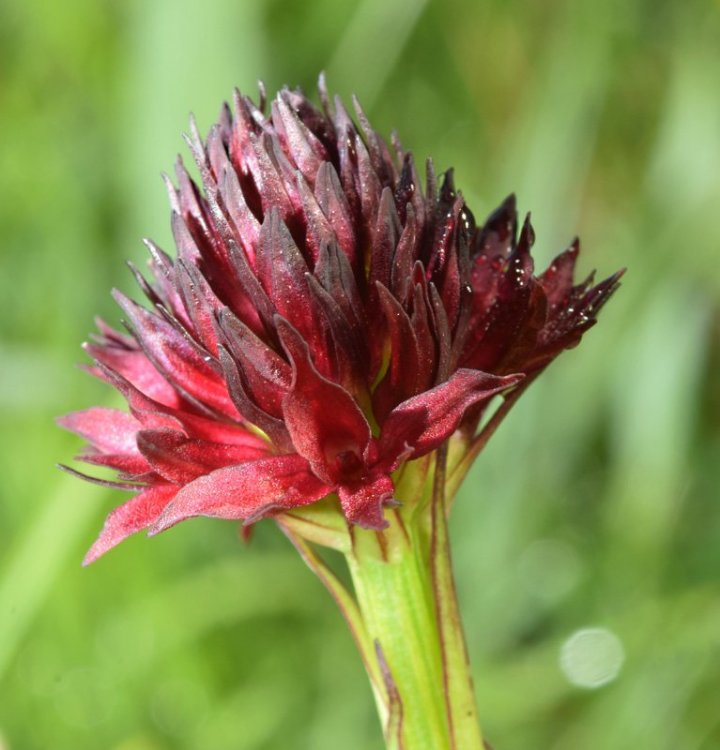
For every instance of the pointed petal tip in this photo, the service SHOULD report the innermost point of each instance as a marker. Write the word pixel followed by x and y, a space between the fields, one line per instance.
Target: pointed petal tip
pixel 88 560
pixel 527 234
pixel 192 120
pixel 166 520
pixel 170 516
pixel 64 421
pixel 98 549
pixel 504 382
pixel 122 300
pixel 125 486
pixel 131 517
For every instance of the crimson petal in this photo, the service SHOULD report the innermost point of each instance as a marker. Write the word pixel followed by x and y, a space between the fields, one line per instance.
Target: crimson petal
pixel 181 460
pixel 248 491
pixel 318 290
pixel 176 358
pixel 325 424
pixel 108 430
pixel 131 517
pixel 401 380
pixel 135 367
pixel 266 372
pixel 130 467
pixel 421 423
pixel 156 416
pixel 363 502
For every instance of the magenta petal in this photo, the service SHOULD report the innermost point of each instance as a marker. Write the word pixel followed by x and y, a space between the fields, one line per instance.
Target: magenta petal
pixel 363 502
pixel 131 517
pixel 421 423
pixel 248 491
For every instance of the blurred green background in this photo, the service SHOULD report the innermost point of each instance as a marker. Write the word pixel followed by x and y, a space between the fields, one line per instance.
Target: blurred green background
pixel 594 505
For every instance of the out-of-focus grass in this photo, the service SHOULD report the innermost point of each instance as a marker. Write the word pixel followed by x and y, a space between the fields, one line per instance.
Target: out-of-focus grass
pixel 596 504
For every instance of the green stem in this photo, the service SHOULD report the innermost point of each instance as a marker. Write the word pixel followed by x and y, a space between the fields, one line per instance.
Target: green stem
pixel 459 690
pixel 349 609
pixel 394 593
pixel 404 616
pixel 406 596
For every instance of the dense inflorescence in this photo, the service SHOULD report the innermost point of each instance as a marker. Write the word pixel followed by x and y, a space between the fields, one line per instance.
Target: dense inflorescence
pixel 327 319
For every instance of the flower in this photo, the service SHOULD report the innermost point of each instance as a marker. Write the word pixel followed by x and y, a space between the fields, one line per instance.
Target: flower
pixel 326 320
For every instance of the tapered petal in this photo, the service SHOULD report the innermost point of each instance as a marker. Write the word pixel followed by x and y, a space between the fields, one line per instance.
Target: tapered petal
pixel 330 197
pixel 181 460
pixel 107 430
pixel 421 423
pixel 154 415
pixel 176 358
pixel 134 365
pixel 133 516
pixel 266 373
pixel 272 426
pixel 401 379
pixel 557 279
pixel 246 492
pixel 328 317
pixel 129 466
pixel 326 425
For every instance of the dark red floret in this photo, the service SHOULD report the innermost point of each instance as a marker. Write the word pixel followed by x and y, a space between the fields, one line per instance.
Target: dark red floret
pixel 328 317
